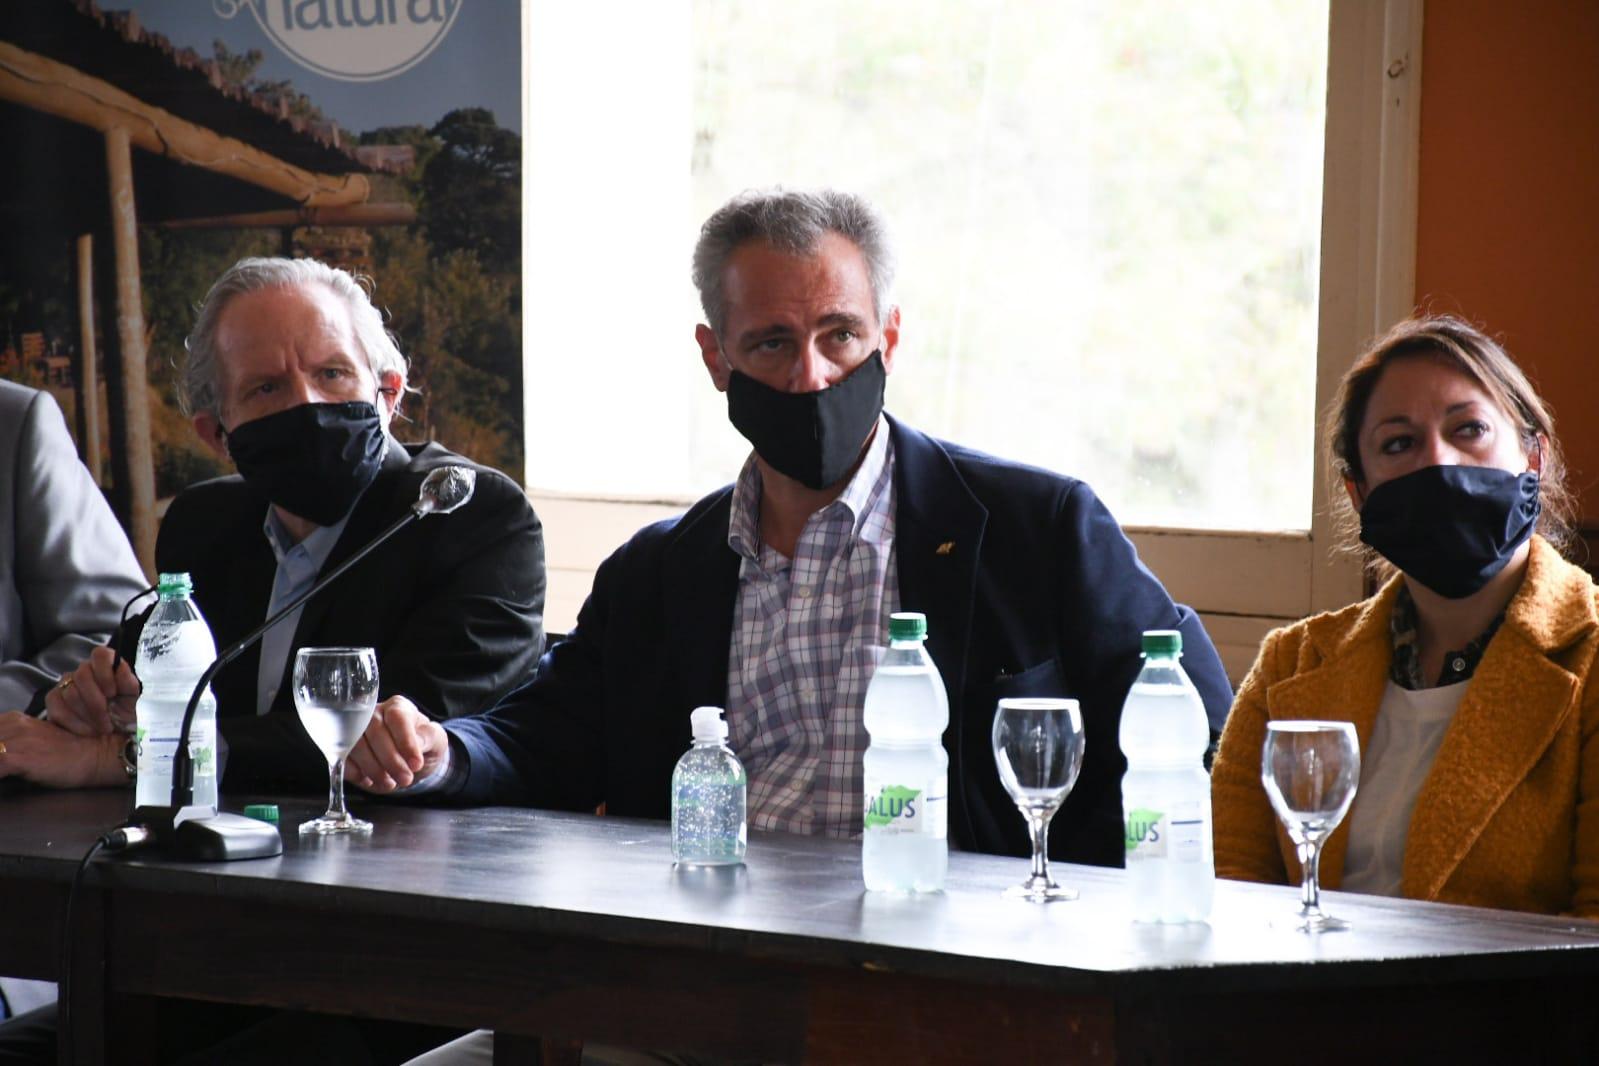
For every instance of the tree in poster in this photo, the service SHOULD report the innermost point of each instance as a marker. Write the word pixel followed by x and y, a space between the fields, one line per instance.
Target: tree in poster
pixel 472 190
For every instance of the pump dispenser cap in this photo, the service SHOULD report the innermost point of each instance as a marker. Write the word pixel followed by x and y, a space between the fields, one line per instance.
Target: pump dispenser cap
pixel 1163 642
pixel 707 724
pixel 907 625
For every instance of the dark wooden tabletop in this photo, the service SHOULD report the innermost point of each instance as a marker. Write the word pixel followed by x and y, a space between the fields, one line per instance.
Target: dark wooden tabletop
pixel 797 899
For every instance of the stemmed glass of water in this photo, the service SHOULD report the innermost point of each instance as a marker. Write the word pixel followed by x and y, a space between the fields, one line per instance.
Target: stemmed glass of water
pixel 335 691
pixel 1038 745
pixel 1310 770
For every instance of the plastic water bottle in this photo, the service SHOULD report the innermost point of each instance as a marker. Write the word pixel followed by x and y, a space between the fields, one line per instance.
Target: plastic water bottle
pixel 708 797
pixel 174 650
pixel 1171 869
pixel 904 845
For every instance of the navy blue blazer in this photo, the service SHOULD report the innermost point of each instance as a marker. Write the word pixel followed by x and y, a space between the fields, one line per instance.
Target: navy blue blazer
pixel 1030 589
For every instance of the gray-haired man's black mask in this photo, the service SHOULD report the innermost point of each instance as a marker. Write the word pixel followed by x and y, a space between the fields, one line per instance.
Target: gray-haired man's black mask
pixel 314 459
pixel 813 437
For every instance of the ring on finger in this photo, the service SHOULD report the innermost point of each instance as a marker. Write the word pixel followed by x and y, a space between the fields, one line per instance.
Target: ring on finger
pixel 66 683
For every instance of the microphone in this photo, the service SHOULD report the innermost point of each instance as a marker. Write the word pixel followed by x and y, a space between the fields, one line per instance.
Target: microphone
pixel 445 489
pixel 199 832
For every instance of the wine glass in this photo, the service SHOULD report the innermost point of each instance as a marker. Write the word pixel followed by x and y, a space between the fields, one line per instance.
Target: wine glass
pixel 335 691
pixel 1311 770
pixel 1038 745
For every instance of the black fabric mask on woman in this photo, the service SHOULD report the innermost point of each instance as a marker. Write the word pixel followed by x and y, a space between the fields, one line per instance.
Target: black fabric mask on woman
pixel 1452 528
pixel 313 460
pixel 813 437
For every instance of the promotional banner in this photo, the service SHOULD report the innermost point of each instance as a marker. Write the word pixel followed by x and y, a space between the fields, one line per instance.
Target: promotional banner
pixel 156 144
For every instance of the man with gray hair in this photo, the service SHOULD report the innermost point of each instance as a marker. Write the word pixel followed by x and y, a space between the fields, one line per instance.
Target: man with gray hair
pixel 293 378
pixel 768 597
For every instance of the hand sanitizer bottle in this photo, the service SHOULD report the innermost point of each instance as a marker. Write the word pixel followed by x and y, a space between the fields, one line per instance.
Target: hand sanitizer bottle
pixel 708 797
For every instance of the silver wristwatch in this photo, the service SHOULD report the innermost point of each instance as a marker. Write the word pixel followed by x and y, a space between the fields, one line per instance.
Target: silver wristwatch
pixel 130 758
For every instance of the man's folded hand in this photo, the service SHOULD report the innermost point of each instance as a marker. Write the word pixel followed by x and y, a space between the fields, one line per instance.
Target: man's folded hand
pixel 401 745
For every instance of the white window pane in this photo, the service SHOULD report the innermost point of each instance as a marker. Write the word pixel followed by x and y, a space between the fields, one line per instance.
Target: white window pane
pixel 1107 216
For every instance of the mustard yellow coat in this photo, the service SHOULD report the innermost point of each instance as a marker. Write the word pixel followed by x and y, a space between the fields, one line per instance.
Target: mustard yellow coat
pixel 1508 815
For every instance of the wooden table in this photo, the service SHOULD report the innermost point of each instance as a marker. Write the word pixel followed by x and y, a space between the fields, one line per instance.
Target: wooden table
pixel 571 926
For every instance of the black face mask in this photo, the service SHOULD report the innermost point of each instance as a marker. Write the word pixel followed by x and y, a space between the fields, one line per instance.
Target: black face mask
pixel 1452 528
pixel 313 460
pixel 813 437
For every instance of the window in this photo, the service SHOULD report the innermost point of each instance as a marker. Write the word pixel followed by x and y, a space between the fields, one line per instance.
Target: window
pixel 1109 217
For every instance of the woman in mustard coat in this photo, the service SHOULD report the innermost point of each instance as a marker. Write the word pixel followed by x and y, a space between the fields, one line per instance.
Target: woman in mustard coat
pixel 1467 674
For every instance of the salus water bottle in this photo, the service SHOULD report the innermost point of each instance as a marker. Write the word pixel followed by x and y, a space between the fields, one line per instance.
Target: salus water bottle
pixel 1171 871
pixel 904 845
pixel 175 647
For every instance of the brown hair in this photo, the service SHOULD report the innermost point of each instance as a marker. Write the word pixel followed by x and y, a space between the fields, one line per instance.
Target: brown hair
pixel 1457 343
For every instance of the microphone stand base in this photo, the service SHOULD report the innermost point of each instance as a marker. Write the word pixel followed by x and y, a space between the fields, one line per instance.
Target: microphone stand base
pixel 224 838
pixel 200 834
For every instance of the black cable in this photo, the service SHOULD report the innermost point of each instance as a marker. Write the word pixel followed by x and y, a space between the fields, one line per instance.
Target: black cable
pixel 122 634
pixel 116 840
pixel 64 970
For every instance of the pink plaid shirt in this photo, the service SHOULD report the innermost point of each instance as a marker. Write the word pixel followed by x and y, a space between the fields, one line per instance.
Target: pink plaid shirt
pixel 804 632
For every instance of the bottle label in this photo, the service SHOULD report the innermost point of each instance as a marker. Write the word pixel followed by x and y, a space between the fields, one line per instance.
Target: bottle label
pixel 155 752
pixel 901 809
pixel 1178 834
pixel 1147 833
pixel 202 751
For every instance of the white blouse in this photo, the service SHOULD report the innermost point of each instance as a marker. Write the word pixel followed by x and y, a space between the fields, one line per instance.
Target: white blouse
pixel 1410 726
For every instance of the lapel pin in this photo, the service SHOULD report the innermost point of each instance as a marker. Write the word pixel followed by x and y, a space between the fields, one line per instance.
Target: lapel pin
pixel 945 548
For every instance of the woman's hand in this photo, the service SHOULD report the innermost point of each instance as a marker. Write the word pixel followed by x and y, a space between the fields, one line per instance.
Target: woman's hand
pixel 95 699
pixel 48 755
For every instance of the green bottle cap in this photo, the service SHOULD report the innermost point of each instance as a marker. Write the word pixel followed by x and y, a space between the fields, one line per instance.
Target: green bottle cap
pixel 1162 642
pixel 168 585
pixel 907 625
pixel 262 812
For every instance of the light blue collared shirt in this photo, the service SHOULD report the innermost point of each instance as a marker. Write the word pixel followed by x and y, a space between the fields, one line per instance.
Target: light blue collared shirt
pixel 298 567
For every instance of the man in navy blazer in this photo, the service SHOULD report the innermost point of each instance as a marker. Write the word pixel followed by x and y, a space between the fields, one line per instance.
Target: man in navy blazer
pixel 1028 584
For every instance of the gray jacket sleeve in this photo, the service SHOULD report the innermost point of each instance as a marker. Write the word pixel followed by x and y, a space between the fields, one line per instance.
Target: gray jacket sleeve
pixel 66 567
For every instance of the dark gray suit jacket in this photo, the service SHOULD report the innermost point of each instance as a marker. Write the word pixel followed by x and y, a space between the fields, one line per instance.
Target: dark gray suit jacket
pixel 454 604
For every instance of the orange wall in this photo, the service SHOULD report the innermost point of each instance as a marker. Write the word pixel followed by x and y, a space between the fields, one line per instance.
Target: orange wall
pixel 1508 232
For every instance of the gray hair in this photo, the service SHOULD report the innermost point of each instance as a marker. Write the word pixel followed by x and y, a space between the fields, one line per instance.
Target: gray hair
pixel 197 378
pixel 793 223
